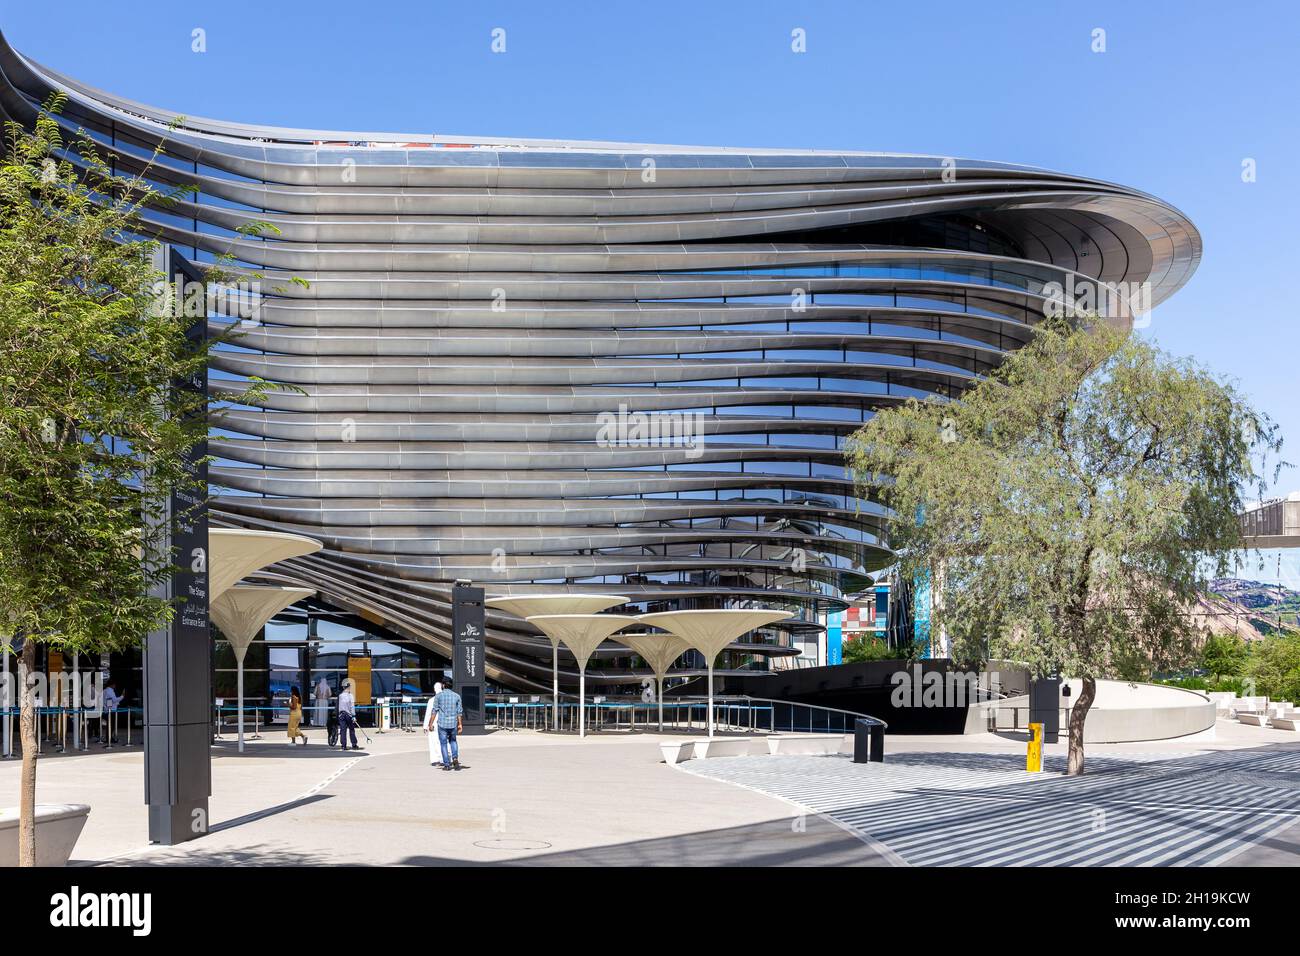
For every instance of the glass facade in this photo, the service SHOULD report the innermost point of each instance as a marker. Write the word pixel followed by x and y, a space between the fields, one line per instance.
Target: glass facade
pixel 309 642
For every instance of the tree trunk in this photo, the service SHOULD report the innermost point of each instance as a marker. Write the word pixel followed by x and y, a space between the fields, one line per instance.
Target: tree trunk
pixel 1078 714
pixel 27 735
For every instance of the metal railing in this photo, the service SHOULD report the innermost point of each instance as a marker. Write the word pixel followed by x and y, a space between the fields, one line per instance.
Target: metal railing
pixel 732 714
pixel 796 717
pixel 1016 718
pixel 735 714
pixel 404 715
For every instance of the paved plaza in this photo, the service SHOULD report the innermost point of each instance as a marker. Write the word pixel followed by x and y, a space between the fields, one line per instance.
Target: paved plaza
pixel 531 798
pixel 984 809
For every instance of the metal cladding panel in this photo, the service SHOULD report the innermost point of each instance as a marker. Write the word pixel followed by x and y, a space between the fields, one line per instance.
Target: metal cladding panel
pixel 562 366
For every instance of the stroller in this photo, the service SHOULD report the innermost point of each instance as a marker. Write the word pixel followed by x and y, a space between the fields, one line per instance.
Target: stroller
pixel 332 728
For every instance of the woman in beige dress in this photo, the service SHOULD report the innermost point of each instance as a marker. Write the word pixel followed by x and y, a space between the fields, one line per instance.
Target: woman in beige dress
pixel 295 718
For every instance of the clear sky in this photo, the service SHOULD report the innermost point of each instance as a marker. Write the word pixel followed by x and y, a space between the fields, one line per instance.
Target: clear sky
pixel 1182 95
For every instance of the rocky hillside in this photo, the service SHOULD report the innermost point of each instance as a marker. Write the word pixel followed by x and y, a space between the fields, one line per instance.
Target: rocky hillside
pixel 1249 609
pixel 1253 594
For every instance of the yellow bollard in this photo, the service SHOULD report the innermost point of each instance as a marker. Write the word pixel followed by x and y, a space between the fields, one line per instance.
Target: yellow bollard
pixel 1034 763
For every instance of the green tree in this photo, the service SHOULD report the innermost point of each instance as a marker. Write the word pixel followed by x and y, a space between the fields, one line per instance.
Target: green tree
pixel 1274 666
pixel 1066 507
pixel 1224 655
pixel 867 648
pixel 93 436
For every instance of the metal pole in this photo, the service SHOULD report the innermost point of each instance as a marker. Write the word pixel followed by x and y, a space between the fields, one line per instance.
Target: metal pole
pixel 8 720
pixel 555 682
pixel 660 678
pixel 239 682
pixel 76 698
pixel 710 698
pixel 582 700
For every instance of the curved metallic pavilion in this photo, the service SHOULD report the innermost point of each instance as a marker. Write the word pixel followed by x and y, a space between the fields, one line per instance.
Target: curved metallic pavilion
pixel 560 366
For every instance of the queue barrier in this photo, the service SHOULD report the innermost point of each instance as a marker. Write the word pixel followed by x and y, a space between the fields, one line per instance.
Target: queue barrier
pixel 225 716
pixel 256 716
pixel 56 724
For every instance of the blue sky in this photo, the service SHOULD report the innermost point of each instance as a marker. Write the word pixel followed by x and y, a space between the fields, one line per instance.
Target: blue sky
pixel 1184 92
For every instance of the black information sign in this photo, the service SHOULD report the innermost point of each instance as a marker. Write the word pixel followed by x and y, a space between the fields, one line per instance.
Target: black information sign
pixel 467 651
pixel 1045 706
pixel 178 658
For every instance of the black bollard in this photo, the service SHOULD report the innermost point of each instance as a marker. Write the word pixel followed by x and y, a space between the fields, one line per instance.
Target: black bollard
pixel 868 741
pixel 861 741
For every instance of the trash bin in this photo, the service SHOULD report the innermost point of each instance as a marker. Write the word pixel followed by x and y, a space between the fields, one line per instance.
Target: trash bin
pixel 868 741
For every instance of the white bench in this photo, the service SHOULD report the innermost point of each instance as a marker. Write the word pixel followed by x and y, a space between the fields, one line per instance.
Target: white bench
pixel 1286 723
pixel 723 747
pixel 1224 701
pixel 1250 705
pixel 807 743
pixel 677 751
pixel 1254 720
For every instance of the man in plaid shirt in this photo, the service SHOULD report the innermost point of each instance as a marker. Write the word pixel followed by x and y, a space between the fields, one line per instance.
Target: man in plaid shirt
pixel 447 711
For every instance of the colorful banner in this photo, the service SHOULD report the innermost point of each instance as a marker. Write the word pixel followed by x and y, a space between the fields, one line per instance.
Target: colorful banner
pixel 921 613
pixel 882 609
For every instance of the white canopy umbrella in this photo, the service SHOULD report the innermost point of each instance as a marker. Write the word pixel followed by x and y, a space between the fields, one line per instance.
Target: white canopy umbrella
pixel 659 651
pixel 234 553
pixel 240 612
pixel 582 634
pixel 525 605
pixel 709 631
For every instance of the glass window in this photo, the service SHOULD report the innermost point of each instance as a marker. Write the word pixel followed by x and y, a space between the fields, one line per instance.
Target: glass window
pixel 286 631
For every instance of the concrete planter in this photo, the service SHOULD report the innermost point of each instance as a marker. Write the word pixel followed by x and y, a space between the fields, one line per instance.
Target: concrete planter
pixel 58 825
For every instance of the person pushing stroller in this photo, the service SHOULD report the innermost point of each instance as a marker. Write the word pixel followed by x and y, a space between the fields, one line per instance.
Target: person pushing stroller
pixel 347 716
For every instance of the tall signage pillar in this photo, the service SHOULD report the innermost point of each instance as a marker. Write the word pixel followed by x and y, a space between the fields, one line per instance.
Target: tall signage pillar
pixel 178 657
pixel 1045 706
pixel 467 652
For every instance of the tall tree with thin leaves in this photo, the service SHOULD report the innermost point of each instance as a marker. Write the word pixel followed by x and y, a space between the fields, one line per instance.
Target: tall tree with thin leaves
pixel 93 435
pixel 1067 508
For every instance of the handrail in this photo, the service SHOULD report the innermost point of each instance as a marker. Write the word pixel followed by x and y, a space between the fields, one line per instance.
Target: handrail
pixel 754 706
pixel 683 698
pixel 834 719
pixel 834 710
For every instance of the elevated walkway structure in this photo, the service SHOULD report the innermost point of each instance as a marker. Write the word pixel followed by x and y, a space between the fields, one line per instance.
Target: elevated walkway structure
pixel 1273 524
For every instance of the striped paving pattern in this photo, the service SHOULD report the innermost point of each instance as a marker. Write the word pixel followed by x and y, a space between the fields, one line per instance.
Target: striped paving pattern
pixel 973 809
